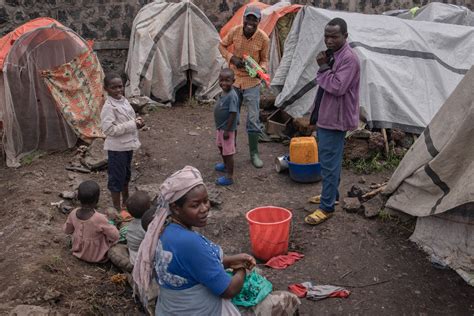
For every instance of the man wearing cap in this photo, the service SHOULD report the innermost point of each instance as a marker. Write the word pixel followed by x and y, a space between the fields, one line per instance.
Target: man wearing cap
pixel 248 39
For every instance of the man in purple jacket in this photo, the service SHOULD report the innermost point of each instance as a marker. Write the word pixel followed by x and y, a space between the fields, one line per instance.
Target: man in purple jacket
pixel 336 111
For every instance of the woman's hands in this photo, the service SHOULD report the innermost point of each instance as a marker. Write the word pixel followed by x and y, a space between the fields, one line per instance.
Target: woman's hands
pixel 239 264
pixel 239 261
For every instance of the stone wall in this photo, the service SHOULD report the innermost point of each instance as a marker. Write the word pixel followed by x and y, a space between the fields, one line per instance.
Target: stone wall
pixel 109 22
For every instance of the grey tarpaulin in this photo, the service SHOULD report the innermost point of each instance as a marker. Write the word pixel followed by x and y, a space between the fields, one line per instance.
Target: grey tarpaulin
pixel 167 40
pixel 434 182
pixel 442 13
pixel 408 68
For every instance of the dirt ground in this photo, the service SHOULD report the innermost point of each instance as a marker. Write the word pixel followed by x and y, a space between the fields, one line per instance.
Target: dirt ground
pixel 387 274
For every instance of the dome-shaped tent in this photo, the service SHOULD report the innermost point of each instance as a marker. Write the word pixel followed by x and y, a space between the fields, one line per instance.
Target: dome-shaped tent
pixel 51 92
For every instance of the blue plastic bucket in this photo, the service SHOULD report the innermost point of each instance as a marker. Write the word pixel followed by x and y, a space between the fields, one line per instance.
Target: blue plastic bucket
pixel 305 173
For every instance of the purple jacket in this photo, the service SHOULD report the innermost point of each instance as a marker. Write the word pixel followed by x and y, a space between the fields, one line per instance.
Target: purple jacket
pixel 339 109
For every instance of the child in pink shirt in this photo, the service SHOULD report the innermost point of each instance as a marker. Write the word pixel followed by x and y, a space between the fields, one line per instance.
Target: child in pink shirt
pixel 92 235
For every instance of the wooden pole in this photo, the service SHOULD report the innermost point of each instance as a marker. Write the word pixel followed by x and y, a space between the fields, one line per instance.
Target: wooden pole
pixel 190 80
pixel 385 140
pixel 374 192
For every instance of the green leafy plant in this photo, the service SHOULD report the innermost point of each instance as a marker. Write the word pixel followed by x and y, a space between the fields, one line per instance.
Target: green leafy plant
pixel 385 216
pixel 376 163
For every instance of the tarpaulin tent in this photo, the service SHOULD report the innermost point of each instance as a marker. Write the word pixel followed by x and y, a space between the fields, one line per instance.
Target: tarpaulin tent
pixel 434 183
pixel 408 68
pixel 441 13
pixel 270 15
pixel 168 40
pixel 274 22
pixel 51 90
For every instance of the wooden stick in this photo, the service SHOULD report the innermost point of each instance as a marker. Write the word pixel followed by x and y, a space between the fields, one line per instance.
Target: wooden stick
pixel 385 140
pixel 190 74
pixel 78 169
pixel 345 274
pixel 376 186
pixel 374 192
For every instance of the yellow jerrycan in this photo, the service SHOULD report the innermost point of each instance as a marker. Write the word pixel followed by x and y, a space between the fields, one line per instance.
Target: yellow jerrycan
pixel 303 150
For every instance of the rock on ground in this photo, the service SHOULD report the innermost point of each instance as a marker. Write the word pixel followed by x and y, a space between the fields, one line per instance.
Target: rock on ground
pixel 352 205
pixel 373 206
pixel 356 148
pixel 361 133
pixel 95 156
pixel 356 191
pixel 376 142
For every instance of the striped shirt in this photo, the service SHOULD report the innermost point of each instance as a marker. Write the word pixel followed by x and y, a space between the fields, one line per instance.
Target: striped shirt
pixel 257 47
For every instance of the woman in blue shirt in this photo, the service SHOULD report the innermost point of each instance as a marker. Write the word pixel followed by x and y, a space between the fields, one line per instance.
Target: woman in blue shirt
pixel 189 269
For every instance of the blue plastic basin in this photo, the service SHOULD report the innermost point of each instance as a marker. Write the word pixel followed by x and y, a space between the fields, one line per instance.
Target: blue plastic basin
pixel 305 173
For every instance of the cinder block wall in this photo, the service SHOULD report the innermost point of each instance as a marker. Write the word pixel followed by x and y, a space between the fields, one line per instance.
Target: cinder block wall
pixel 109 22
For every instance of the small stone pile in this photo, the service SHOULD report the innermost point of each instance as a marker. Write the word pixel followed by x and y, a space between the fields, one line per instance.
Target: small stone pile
pixel 364 144
pixel 366 200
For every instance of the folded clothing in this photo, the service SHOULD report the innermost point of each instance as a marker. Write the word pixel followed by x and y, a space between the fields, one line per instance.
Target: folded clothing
pixel 284 261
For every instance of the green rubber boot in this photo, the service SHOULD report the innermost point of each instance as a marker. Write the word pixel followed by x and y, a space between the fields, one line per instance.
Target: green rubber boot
pixel 253 148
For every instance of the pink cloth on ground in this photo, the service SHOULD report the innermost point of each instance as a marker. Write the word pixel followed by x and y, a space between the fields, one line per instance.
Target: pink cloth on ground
pixel 284 261
pixel 227 145
pixel 92 238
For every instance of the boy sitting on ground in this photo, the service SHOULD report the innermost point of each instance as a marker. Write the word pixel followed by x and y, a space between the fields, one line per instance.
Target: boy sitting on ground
pixel 226 114
pixel 137 205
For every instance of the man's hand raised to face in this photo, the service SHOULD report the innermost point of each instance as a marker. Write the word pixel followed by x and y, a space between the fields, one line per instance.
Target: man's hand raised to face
pixel 322 58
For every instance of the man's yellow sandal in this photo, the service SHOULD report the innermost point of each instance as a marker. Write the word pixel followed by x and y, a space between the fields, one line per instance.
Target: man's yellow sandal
pixel 317 217
pixel 317 200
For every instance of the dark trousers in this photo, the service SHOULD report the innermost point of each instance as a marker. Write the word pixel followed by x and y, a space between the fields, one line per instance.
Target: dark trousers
pixel 330 151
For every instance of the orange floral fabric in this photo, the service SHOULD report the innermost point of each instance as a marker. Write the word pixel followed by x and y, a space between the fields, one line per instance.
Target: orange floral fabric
pixel 77 88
